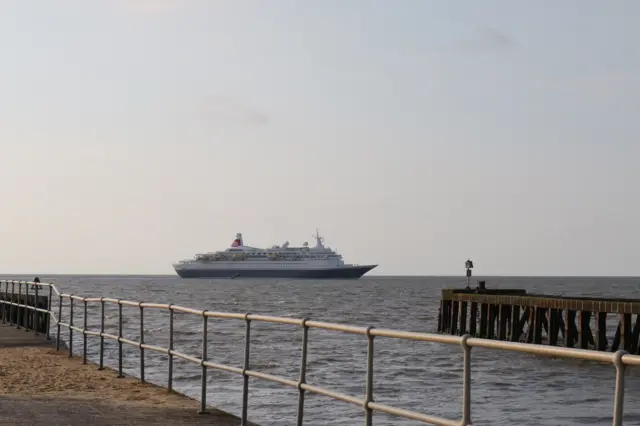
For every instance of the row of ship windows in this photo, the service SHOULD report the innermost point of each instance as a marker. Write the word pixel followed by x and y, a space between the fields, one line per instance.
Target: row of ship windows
pixel 249 259
pixel 280 265
pixel 305 258
pixel 290 255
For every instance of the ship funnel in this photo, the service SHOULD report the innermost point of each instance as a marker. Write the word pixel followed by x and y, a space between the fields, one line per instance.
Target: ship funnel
pixel 238 241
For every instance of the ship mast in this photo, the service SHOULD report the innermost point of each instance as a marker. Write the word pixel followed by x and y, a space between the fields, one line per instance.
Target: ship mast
pixel 318 239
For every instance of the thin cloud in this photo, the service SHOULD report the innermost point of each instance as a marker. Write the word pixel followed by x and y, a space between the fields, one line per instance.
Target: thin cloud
pixel 222 109
pixel 485 39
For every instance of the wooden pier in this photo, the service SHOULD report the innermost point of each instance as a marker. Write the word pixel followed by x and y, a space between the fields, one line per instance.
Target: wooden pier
pixel 513 315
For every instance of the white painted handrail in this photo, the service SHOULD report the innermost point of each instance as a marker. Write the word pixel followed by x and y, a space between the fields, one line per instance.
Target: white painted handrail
pixel 619 359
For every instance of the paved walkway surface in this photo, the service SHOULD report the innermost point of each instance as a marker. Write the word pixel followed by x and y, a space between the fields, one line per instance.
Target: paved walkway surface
pixel 11 337
pixel 72 412
pixel 40 386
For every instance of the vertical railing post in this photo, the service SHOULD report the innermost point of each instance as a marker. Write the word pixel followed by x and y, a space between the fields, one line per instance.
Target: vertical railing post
pixel 120 375
pixel 618 403
pixel 466 382
pixel 7 306
pixel 25 309
pixel 141 342
pixel 303 371
pixel 4 302
pixel 18 305
pixel 35 311
pixel 84 333
pixel 101 365
pixel 8 300
pixel 369 389
pixel 70 325
pixel 245 377
pixel 170 384
pixel 203 389
pixel 13 292
pixel 49 313
pixel 10 319
pixel 11 307
pixel 59 319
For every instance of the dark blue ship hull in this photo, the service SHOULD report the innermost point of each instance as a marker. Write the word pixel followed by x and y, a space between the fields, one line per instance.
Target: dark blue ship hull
pixel 347 272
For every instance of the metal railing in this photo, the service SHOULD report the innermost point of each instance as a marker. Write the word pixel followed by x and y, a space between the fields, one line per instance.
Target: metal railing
pixel 619 359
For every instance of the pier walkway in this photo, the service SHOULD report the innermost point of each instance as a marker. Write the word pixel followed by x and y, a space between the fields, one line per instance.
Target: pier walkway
pixel 42 386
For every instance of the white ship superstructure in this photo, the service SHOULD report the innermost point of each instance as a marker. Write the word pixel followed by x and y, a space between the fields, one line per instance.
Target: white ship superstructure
pixel 240 260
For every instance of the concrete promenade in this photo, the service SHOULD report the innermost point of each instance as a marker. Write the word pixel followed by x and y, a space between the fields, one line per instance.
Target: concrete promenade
pixel 40 386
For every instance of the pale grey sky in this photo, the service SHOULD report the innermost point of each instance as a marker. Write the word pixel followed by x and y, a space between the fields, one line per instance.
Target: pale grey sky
pixel 414 134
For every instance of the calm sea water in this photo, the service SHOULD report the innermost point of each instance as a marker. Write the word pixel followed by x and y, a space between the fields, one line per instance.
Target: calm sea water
pixel 507 388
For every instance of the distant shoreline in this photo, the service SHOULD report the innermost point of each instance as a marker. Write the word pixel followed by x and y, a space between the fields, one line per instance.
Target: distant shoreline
pixel 367 277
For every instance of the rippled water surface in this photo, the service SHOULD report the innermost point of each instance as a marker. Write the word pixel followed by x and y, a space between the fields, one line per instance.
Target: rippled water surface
pixel 507 388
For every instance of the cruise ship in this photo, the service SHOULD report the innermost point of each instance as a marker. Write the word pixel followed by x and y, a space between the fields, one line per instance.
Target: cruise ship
pixel 240 261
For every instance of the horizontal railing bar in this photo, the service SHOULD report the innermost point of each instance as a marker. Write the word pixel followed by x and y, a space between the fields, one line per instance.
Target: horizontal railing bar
pixel 331 394
pixel 271 378
pixel 163 350
pixel 631 359
pixel 128 341
pixel 64 324
pixel 78 329
pixel 277 320
pixel 80 298
pixel 439 421
pixel 186 310
pixel 424 337
pixel 18 305
pixel 543 350
pixel 109 300
pixel 228 315
pixel 155 305
pixel 92 299
pixel 155 348
pixel 109 336
pixel 129 303
pixel 185 357
pixel 27 282
pixel 337 327
pixel 8 302
pixel 223 367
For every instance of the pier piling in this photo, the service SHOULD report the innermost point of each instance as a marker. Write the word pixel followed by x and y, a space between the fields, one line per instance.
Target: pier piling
pixel 513 315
